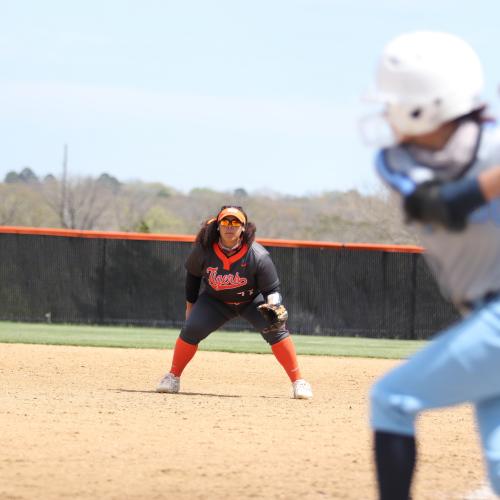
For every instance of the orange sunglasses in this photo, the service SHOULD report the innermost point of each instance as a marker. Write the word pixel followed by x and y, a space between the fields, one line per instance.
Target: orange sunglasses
pixel 232 222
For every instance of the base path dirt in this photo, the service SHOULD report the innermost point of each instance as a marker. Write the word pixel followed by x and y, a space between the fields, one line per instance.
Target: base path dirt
pixel 85 423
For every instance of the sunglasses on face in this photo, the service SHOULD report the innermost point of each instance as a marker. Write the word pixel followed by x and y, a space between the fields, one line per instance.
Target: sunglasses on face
pixel 233 222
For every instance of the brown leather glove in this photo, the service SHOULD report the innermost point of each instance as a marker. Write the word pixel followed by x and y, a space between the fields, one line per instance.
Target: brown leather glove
pixel 275 314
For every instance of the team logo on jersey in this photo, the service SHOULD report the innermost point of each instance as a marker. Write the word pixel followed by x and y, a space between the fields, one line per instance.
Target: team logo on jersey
pixel 224 281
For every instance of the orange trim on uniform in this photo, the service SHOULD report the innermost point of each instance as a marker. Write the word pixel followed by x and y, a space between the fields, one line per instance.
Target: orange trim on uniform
pixel 188 238
pixel 227 261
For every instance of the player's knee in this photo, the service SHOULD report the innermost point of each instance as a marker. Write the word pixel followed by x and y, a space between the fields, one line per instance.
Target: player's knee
pixel 275 337
pixel 191 334
pixel 392 412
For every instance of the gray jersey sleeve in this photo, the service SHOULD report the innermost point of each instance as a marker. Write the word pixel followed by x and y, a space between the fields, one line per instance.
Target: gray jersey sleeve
pixel 266 275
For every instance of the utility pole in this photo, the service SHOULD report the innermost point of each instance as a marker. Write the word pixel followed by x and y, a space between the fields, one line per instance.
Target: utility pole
pixel 64 181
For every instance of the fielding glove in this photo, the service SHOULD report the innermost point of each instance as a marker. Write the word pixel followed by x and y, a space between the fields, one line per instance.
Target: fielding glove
pixel 275 314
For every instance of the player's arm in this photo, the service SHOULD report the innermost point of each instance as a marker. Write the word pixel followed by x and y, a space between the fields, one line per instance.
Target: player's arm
pixel 266 275
pixel 272 296
pixel 273 310
pixel 450 203
pixel 269 285
pixel 192 288
pixel 489 182
pixel 194 271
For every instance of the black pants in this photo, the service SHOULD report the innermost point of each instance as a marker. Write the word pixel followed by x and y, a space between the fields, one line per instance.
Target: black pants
pixel 209 314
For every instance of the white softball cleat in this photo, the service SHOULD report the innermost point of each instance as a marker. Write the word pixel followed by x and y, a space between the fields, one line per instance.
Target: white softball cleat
pixel 169 383
pixel 302 389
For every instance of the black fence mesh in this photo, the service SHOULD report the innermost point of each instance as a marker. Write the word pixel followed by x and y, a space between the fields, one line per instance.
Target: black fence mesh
pixel 110 281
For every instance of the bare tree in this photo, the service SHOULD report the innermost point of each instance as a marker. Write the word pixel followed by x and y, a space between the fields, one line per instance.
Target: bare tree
pixel 11 207
pixel 107 204
pixel 131 206
pixel 23 205
pixel 79 203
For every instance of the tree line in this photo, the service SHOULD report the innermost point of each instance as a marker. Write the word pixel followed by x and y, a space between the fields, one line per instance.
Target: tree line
pixel 108 204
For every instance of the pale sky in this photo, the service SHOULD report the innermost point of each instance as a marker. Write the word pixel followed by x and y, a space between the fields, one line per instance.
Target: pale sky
pixel 224 94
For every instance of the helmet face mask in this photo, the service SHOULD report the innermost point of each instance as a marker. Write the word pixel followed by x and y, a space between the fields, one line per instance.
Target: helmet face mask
pixel 376 131
pixel 425 79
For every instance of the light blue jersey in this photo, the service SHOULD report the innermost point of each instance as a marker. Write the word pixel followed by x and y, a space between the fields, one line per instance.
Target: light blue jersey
pixel 467 263
pixel 463 363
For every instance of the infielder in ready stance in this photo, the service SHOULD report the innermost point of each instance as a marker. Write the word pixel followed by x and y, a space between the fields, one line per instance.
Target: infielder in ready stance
pixel 444 163
pixel 240 280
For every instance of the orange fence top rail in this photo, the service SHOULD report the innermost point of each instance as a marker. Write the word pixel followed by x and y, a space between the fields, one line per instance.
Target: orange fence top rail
pixel 118 235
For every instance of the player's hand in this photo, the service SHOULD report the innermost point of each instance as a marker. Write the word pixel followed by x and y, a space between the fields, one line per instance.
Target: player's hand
pixel 428 205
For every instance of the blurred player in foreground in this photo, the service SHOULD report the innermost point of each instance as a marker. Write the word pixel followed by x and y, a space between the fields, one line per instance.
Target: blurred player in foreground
pixel 240 280
pixel 444 162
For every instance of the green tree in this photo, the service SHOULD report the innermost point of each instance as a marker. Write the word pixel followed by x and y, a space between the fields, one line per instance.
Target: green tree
pixel 27 175
pixel 110 182
pixel 240 193
pixel 11 177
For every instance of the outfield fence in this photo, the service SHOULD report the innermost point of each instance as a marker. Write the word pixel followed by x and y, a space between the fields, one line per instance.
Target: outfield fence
pixel 66 276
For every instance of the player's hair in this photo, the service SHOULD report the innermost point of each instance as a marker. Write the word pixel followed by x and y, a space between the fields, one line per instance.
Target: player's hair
pixel 208 234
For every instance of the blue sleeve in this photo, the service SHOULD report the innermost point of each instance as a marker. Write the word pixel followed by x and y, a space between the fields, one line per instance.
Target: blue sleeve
pixel 463 196
pixel 396 180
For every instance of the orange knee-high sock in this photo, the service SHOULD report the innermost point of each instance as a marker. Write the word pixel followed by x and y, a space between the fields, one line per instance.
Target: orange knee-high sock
pixel 183 354
pixel 284 350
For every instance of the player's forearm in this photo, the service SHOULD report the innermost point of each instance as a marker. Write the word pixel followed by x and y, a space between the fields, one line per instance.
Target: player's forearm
pixel 447 204
pixel 489 183
pixel 273 295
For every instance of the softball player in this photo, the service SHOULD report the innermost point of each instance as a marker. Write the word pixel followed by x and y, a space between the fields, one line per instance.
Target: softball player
pixel 444 162
pixel 239 277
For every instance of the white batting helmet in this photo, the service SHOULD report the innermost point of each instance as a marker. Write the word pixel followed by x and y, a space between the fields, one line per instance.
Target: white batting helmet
pixel 426 79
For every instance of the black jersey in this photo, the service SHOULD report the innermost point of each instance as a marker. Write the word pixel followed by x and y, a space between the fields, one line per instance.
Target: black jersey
pixel 234 279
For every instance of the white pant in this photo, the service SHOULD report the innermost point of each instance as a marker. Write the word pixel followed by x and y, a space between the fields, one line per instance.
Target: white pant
pixel 461 365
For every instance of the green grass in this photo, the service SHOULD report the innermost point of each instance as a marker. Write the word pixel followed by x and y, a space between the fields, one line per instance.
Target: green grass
pixel 155 338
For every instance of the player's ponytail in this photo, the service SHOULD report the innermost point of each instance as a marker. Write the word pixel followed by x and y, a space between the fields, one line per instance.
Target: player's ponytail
pixel 208 233
pixel 249 233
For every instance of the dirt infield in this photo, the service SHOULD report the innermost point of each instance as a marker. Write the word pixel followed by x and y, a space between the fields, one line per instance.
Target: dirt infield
pixel 85 423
